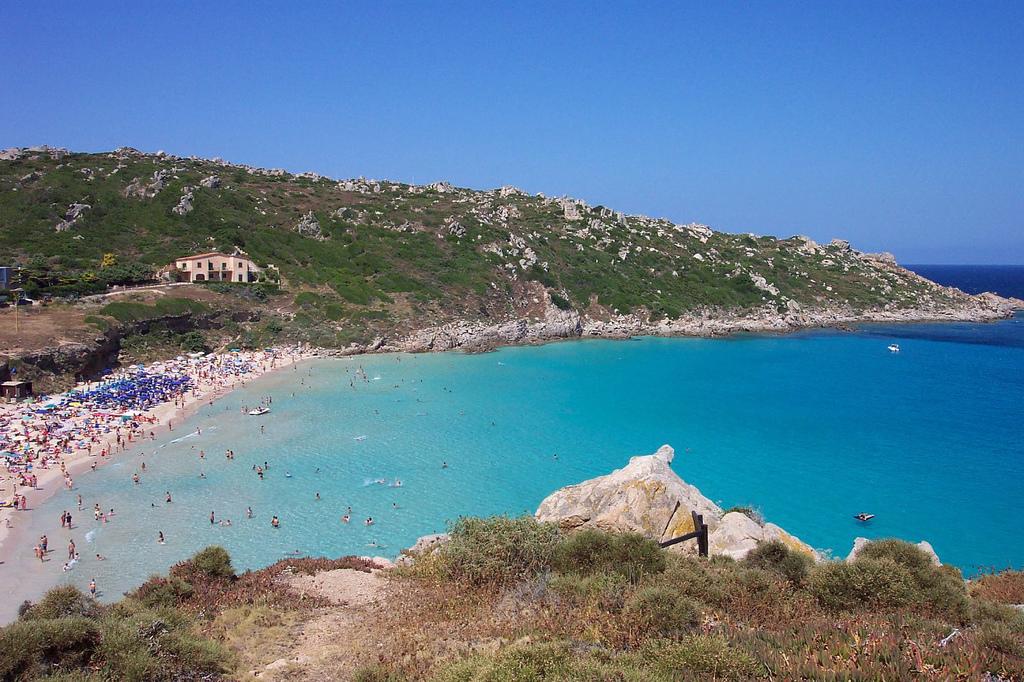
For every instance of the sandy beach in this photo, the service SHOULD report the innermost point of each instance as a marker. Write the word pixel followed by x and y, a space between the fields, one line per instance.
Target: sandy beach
pixel 206 388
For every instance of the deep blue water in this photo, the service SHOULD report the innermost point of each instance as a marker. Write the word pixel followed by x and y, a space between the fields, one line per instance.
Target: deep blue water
pixel 1005 280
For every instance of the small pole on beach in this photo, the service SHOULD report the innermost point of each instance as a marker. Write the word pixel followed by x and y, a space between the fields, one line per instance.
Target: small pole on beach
pixel 17 300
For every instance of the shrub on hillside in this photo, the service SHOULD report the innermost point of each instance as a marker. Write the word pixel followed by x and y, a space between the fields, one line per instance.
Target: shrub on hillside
pixel 701 655
pixel 213 562
pixel 139 643
pixel 696 578
pixel 497 549
pixel 776 556
pixel 888 574
pixel 1006 587
pixel 34 647
pixel 165 592
pixel 662 611
pixel 866 583
pixel 594 551
pixel 606 590
pixel 903 553
pixel 941 588
pixel 63 602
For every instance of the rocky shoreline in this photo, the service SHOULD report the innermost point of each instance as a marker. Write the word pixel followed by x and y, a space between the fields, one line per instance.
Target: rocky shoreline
pixel 554 324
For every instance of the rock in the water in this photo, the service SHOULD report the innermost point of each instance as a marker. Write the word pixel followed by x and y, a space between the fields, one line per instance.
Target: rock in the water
pixel 649 498
pixel 924 546
pixel 645 496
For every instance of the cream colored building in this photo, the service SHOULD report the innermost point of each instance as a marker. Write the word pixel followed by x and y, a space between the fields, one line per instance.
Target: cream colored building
pixel 217 267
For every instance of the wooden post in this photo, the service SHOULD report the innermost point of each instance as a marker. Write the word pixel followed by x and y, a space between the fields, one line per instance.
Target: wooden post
pixel 702 534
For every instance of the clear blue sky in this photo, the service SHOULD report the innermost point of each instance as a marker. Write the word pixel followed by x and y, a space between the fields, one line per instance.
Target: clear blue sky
pixel 899 126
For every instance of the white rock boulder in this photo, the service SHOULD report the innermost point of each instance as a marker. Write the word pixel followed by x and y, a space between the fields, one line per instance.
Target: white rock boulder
pixel 648 497
pixel 645 496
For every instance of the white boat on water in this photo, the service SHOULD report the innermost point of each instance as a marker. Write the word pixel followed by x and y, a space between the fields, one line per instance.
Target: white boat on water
pixel 258 411
pixel 894 348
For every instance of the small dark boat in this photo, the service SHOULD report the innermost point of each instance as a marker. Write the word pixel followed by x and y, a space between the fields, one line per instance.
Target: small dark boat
pixel 863 517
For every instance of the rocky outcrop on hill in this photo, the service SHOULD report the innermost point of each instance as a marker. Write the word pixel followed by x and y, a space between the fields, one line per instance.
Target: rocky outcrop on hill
pixel 184 206
pixel 71 216
pixel 648 497
pixel 140 189
pixel 309 226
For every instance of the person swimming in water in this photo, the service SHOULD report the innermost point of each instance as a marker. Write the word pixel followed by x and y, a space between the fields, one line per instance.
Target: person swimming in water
pixel 275 523
pixel 346 518
pixel 248 512
pixel 160 537
pixel 369 521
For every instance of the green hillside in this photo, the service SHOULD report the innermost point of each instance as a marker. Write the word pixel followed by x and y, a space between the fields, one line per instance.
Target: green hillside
pixel 426 253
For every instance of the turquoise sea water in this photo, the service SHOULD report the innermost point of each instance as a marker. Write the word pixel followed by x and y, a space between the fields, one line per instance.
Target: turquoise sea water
pixel 810 428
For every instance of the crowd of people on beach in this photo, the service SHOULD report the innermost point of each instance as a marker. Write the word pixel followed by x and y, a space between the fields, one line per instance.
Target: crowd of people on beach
pixel 99 419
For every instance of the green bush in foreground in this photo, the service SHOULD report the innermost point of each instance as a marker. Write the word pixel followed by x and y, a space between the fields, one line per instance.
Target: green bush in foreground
pixel 213 561
pixel 776 556
pixel 35 647
pixel 691 657
pixel 498 549
pixel 63 602
pixel 888 574
pixel 662 611
pixel 593 551
pixel 864 584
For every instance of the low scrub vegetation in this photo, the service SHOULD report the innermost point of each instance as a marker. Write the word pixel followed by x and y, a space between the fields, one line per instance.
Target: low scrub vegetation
pixel 512 599
pixel 131 311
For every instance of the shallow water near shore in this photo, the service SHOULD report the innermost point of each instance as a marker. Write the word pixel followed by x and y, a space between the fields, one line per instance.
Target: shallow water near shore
pixel 810 428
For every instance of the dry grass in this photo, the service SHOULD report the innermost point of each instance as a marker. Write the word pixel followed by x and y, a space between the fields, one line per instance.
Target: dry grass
pixel 1003 588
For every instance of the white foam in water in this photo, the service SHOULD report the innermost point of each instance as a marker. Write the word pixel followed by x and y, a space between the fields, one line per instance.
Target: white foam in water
pixel 90 535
